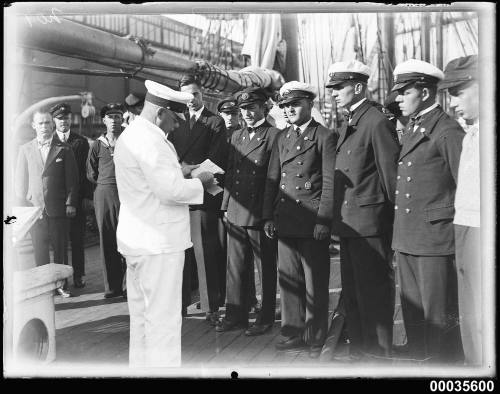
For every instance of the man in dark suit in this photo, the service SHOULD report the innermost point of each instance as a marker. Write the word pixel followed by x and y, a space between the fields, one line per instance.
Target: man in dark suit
pixel 243 197
pixel 298 206
pixel 203 136
pixel 47 177
pixel 61 114
pixel 365 178
pixel 423 224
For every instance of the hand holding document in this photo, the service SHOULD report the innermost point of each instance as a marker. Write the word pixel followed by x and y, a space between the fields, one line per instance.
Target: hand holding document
pixel 209 166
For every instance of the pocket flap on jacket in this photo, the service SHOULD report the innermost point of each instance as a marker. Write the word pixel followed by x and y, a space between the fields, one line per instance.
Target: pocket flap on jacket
pixel 441 213
pixel 369 200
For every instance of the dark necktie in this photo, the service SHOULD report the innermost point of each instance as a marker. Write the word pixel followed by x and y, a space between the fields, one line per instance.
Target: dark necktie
pixel 348 116
pixel 297 131
pixel 414 121
pixel 192 121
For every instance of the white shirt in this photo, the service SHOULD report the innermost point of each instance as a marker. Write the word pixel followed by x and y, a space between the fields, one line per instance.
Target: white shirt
pixel 196 114
pixel 303 127
pixel 354 106
pixel 423 112
pixel 468 196
pixel 154 195
pixel 252 133
pixel 63 136
pixel 44 148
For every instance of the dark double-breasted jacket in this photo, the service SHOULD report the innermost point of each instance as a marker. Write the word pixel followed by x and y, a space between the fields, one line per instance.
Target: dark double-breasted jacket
pixel 246 174
pixel 206 140
pixel 426 184
pixel 365 174
pixel 299 185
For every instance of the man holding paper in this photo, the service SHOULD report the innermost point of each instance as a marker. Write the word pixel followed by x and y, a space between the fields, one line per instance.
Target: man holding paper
pixel 203 136
pixel 153 226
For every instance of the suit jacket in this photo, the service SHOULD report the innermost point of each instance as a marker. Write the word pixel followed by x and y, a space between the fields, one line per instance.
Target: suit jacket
pixel 426 184
pixel 80 147
pixel 154 195
pixel 207 140
pixel 246 174
pixel 52 186
pixel 299 185
pixel 365 174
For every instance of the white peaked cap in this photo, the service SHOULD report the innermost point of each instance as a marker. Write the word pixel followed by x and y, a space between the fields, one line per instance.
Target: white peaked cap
pixel 296 85
pixel 166 97
pixel 352 70
pixel 416 71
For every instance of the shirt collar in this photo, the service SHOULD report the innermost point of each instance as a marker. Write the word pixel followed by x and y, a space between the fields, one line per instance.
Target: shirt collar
pixel 61 134
pixel 197 114
pixel 303 127
pixel 354 106
pixel 427 110
pixel 260 122
pixel 43 143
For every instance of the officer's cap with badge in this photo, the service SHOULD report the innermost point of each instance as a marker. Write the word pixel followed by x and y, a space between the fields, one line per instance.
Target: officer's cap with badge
pixel 165 97
pixel 250 96
pixel 416 72
pixel 112 108
pixel 293 91
pixel 60 110
pixel 352 71
pixel 459 73
pixel 228 106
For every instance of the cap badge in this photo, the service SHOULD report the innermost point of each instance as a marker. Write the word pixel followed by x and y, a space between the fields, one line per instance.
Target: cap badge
pixel 244 96
pixel 307 185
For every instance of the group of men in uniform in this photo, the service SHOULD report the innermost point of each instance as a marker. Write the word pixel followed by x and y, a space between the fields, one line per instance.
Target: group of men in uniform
pixel 285 193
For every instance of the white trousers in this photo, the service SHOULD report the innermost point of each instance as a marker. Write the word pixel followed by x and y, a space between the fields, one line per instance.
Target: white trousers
pixel 154 291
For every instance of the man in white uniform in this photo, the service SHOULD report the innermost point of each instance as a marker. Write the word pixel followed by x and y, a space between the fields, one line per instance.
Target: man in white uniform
pixel 153 226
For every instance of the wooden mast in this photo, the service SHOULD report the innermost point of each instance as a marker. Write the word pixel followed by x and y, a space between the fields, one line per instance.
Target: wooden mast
pixel 290 30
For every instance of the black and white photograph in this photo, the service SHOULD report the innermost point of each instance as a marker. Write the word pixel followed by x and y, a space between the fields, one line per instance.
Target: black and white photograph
pixel 250 190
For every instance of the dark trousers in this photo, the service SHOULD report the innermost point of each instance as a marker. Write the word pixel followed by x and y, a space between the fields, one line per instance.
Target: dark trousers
pixel 107 208
pixel 222 226
pixel 429 298
pixel 248 246
pixel 469 275
pixel 368 289
pixel 207 255
pixel 304 273
pixel 76 234
pixel 48 231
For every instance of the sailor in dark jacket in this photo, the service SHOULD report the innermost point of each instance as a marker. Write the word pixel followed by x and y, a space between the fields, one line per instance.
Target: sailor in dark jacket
pixel 423 224
pixel 61 113
pixel 298 206
pixel 365 178
pixel 243 197
pixel 203 136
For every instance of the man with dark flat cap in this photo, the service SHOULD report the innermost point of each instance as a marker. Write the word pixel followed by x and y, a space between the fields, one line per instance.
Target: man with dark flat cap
pixel 365 177
pixel 246 173
pixel 61 113
pixel 203 136
pixel 101 171
pixel 423 238
pixel 298 207
pixel 461 81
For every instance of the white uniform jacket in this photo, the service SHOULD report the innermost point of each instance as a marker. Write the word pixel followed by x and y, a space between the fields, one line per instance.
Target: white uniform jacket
pixel 154 195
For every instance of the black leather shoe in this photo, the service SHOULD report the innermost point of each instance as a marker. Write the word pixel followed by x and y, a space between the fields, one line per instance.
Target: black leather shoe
pixel 212 318
pixel 113 294
pixel 228 325
pixel 78 283
pixel 293 343
pixel 258 329
pixel 63 293
pixel 315 351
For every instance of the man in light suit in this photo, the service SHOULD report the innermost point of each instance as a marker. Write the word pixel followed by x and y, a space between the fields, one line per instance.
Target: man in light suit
pixel 47 176
pixel 153 227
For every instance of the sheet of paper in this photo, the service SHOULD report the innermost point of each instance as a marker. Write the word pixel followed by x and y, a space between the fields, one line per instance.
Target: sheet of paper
pixel 207 166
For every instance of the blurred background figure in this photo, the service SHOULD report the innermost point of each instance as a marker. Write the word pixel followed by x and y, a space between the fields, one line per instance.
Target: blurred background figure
pixel 134 103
